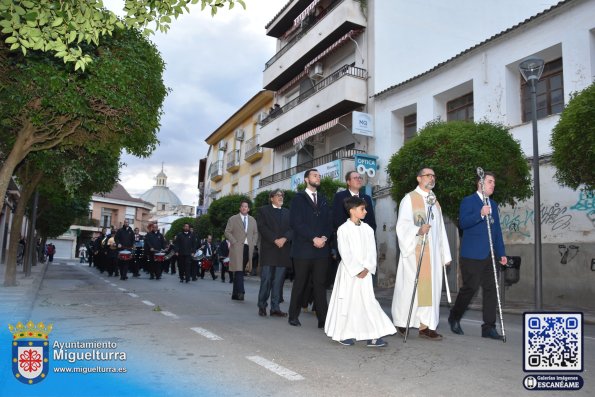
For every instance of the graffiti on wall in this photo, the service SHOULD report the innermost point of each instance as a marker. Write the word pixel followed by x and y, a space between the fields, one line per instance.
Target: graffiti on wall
pixel 519 222
pixel 567 253
pixel 558 220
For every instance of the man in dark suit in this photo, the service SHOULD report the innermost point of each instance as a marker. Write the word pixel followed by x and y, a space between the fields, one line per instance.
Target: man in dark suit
pixel 354 184
pixel 209 253
pixel 339 215
pixel 275 236
pixel 476 261
pixel 310 222
pixel 185 246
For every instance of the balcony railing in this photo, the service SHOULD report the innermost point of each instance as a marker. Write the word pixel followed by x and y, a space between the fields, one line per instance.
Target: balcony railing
pixel 346 70
pixel 233 159
pixel 306 25
pixel 342 153
pixel 216 169
pixel 252 147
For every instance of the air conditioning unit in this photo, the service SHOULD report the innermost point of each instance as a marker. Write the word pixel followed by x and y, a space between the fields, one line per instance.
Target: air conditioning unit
pixel 239 134
pixel 316 73
pixel 222 145
pixel 262 116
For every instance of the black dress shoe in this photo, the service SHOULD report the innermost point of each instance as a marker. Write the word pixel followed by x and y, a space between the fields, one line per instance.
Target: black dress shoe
pixel 294 322
pixel 262 312
pixel 491 333
pixel 401 331
pixel 455 326
pixel 240 297
pixel 234 297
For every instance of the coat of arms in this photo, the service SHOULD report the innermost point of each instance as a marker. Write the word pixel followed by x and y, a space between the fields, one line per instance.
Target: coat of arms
pixel 30 351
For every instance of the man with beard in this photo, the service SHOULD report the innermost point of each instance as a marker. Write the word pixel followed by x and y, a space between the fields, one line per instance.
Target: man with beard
pixel 412 228
pixel 125 241
pixel 310 222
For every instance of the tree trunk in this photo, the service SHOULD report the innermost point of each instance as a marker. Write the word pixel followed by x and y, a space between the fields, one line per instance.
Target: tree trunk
pixel 10 274
pixel 19 151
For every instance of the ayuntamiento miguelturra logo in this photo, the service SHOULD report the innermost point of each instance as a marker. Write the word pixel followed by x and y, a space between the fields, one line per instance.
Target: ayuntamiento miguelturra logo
pixel 30 351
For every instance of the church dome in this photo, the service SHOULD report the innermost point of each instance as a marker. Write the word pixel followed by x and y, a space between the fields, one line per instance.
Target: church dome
pixel 160 194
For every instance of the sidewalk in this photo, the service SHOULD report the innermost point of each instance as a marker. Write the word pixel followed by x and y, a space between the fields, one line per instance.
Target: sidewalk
pixel 385 297
pixel 16 302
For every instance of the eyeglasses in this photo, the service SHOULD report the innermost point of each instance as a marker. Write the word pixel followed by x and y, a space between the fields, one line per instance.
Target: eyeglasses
pixel 279 195
pixel 357 177
pixel 429 175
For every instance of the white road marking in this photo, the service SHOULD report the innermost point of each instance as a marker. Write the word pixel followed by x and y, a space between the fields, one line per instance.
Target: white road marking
pixel 589 337
pixel 169 314
pixel 207 334
pixel 148 303
pixel 113 285
pixel 122 289
pixel 107 281
pixel 275 368
pixel 133 295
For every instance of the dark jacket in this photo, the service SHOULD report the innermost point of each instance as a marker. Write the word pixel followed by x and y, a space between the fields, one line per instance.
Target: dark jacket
pixel 273 223
pixel 308 221
pixel 154 240
pixel 125 237
pixel 208 250
pixel 475 243
pixel 185 243
pixel 223 249
pixel 340 215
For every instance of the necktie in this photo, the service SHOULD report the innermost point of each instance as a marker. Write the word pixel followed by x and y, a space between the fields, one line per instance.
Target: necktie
pixel 314 198
pixel 245 224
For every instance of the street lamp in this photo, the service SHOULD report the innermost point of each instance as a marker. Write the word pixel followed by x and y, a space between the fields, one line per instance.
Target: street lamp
pixel 531 70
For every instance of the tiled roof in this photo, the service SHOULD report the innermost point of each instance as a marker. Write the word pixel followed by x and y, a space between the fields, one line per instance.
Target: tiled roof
pixel 279 13
pixel 120 193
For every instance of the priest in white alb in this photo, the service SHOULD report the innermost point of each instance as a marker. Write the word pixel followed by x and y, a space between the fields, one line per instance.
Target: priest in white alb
pixel 412 226
pixel 353 312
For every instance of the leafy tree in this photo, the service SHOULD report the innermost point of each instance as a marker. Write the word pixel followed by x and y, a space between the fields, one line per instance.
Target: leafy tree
pixel 454 150
pixel 573 141
pixel 204 227
pixel 177 226
pixel 223 208
pixel 44 105
pixel 62 28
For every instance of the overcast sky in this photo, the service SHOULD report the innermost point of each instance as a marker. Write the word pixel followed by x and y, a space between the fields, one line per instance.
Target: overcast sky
pixel 214 65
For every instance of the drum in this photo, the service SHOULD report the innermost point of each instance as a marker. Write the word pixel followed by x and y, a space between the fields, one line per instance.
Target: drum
pixel 206 264
pixel 197 255
pixel 125 255
pixel 159 257
pixel 225 262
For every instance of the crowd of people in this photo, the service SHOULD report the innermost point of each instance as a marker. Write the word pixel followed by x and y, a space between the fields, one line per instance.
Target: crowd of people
pixel 325 246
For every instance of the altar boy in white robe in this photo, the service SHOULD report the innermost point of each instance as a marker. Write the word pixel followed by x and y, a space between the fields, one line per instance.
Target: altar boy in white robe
pixel 412 225
pixel 354 313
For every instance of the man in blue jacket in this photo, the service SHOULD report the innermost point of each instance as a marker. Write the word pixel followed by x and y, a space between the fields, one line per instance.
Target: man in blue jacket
pixel 309 218
pixel 476 260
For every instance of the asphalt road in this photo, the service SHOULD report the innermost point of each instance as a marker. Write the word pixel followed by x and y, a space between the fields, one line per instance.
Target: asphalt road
pixel 192 339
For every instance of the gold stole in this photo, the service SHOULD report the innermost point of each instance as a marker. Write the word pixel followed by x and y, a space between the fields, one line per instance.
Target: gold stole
pixel 424 285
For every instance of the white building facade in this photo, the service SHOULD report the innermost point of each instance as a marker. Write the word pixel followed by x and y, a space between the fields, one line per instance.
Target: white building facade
pixel 484 83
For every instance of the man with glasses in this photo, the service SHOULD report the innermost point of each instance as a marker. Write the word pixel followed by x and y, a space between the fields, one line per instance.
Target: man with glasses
pixel 339 215
pixel 412 227
pixel 275 243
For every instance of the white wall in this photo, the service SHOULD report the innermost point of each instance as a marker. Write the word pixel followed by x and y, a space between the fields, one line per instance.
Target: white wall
pixel 414 36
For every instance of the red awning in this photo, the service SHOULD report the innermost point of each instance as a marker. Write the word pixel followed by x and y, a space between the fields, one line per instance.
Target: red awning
pixel 333 47
pixel 316 130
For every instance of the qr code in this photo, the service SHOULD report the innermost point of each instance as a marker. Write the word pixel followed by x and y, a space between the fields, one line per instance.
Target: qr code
pixel 553 342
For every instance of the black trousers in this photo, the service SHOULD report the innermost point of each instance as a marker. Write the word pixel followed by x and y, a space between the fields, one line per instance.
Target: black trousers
pixel 154 267
pixel 476 273
pixel 123 265
pixel 317 268
pixel 194 269
pixel 238 277
pixel 184 262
